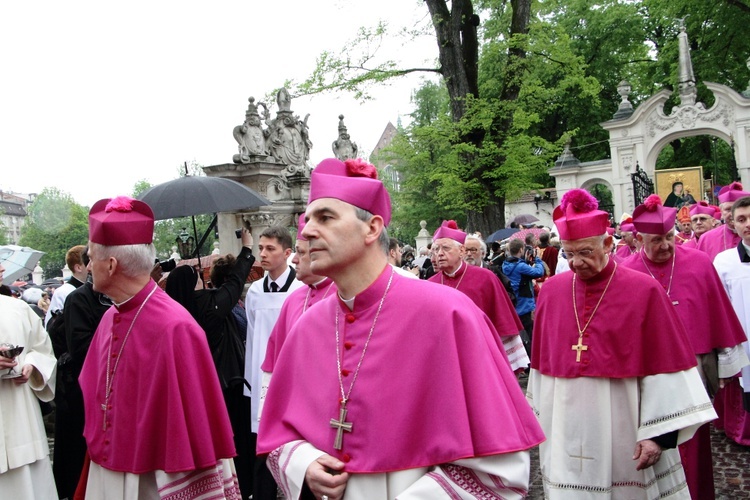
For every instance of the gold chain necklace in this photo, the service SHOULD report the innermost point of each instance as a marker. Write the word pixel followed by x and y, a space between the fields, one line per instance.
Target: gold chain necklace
pixel 671 275
pixel 580 346
pixel 442 275
pixel 110 380
pixel 341 424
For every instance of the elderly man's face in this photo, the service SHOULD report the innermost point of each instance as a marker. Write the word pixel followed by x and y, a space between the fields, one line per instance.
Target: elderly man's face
pixel 301 261
pixel 686 226
pixel 473 252
pixel 99 268
pixel 726 213
pixel 702 223
pixel 658 247
pixel 588 256
pixel 449 254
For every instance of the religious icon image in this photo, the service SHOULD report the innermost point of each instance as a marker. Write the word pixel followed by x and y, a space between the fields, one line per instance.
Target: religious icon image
pixel 10 351
pixel 678 187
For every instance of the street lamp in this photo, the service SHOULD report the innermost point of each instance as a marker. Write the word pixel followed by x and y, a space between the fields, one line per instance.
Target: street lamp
pixel 185 243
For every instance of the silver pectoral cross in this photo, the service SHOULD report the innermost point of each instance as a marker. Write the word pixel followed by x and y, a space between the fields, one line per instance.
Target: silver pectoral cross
pixel 341 425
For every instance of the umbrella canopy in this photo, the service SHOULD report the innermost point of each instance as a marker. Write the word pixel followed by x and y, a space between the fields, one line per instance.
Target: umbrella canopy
pixel 501 234
pixel 523 232
pixel 524 219
pixel 18 261
pixel 196 195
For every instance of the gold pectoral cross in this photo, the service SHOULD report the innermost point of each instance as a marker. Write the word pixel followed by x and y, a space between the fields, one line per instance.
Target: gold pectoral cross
pixel 578 348
pixel 341 425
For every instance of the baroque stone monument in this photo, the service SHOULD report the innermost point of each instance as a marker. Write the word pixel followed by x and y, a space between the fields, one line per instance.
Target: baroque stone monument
pixel 274 161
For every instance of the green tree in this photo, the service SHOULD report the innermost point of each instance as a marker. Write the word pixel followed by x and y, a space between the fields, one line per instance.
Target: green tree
pixel 55 223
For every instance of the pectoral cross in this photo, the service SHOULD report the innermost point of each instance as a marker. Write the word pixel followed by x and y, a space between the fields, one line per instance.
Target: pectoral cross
pixel 578 348
pixel 341 425
pixel 104 417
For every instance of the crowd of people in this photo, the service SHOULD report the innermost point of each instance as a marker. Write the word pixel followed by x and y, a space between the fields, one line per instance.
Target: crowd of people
pixel 359 368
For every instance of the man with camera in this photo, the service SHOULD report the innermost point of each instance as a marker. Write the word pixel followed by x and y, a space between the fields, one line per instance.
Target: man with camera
pixel 521 268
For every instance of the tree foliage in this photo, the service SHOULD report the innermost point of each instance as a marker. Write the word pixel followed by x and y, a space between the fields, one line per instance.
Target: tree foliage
pixel 55 223
pixel 521 78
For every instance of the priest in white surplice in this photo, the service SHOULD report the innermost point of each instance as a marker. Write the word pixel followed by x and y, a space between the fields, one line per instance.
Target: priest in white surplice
pixel 613 377
pixel 262 307
pixel 25 469
pixel 733 266
pixel 392 387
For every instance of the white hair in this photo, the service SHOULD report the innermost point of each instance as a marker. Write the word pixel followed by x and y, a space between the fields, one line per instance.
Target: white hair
pixel 132 260
pixel 481 242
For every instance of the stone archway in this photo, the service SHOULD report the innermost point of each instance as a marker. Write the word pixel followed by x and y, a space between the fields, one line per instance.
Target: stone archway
pixel 638 136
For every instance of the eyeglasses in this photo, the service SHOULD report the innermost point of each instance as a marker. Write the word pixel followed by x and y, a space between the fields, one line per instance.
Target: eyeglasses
pixel 700 219
pixel 444 249
pixel 472 250
pixel 583 254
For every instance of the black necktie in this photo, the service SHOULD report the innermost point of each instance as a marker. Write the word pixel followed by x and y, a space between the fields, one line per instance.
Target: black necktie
pixel 274 287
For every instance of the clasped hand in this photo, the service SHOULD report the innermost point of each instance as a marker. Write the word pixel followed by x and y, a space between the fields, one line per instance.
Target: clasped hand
pixel 325 476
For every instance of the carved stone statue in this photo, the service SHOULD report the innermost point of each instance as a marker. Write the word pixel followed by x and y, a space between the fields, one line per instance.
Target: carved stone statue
pixel 288 137
pixel 250 135
pixel 343 147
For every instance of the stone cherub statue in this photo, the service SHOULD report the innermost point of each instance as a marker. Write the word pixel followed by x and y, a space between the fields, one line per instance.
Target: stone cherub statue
pixel 250 135
pixel 343 147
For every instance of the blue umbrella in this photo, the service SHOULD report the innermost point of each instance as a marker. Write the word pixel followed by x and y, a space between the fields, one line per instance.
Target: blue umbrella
pixel 501 234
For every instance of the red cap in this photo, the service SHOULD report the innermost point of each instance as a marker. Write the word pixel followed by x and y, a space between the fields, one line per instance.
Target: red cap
pixel 355 182
pixel 449 229
pixel 578 216
pixel 121 221
pixel 702 208
pixel 300 227
pixel 732 192
pixel 652 217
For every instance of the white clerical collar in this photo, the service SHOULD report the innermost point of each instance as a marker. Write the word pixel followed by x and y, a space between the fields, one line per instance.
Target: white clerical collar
pixel 349 302
pixel 281 280
pixel 747 248
pixel 451 275
pixel 318 283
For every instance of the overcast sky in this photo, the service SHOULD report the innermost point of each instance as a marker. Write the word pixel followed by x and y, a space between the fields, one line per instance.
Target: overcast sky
pixel 96 95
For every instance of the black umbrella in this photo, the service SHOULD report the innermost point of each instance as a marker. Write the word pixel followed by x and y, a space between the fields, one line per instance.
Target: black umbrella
pixel 196 195
pixel 524 219
pixel 501 234
pixel 190 195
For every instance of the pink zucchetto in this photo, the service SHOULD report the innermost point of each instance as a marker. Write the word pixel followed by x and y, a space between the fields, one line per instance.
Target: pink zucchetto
pixel 578 216
pixel 732 193
pixel 702 208
pixel 654 218
pixel 121 221
pixel 355 182
pixel 300 227
pixel 449 229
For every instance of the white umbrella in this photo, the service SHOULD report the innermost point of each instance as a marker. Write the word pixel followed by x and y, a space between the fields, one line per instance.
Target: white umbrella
pixel 18 262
